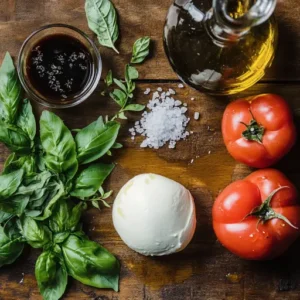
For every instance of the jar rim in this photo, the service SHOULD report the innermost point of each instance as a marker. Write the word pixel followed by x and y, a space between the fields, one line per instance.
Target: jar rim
pixel 91 86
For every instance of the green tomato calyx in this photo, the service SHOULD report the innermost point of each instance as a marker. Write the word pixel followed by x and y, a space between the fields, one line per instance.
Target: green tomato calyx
pixel 254 131
pixel 265 212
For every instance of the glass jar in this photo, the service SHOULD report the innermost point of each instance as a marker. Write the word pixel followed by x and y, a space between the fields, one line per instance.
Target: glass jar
pixel 220 47
pixel 93 74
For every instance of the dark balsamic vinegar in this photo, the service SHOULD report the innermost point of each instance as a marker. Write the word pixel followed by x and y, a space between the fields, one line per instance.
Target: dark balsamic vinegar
pixel 59 67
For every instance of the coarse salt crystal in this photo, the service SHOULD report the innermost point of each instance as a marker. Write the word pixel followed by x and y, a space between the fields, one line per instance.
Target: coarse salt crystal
pixel 192 99
pixel 22 279
pixel 159 89
pixel 172 92
pixel 172 144
pixel 183 109
pixel 196 115
pixel 147 91
pixel 180 85
pixel 155 95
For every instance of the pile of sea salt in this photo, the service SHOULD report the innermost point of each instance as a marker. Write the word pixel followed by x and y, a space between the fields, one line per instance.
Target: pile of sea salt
pixel 163 122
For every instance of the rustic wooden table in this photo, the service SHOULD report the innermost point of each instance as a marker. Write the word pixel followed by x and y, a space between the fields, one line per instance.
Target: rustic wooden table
pixel 200 271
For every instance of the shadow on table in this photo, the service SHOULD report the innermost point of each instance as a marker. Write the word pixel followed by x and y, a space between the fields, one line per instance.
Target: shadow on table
pixel 286 65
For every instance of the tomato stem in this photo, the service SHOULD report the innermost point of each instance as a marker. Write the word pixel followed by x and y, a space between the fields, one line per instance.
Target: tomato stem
pixel 265 212
pixel 254 131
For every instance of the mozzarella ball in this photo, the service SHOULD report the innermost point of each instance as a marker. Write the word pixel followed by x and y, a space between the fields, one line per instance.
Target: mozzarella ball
pixel 154 215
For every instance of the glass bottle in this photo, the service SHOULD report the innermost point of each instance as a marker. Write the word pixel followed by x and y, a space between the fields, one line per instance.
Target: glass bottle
pixel 224 49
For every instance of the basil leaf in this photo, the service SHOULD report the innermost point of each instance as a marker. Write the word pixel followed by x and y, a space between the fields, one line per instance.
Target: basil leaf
pixel 32 213
pixel 14 205
pixel 107 195
pixel 95 140
pixel 4 216
pixel 15 138
pixel 9 161
pixel 102 20
pixel 109 78
pixel 58 144
pixel 89 180
pixel 96 204
pixel 10 250
pixel 14 163
pixel 56 194
pixel 26 119
pixel 60 237
pixel 10 203
pixel 12 228
pixel 66 216
pixel 39 155
pixel 119 97
pixel 51 275
pixel 75 215
pixel 101 191
pixel 131 73
pixel 10 89
pixel 134 107
pixel 36 233
pixel 140 50
pixel 120 84
pixel 30 195
pixel 122 116
pixel 59 216
pixel 117 146
pixel 33 184
pixel 37 188
pixel 90 263
pixel 39 198
pixel 40 190
pixel 9 183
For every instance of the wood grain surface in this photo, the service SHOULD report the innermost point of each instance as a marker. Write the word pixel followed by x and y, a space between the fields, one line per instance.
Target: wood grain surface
pixel 202 271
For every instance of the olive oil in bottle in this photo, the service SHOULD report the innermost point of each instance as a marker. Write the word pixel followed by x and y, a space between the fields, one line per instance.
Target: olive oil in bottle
pixel 220 47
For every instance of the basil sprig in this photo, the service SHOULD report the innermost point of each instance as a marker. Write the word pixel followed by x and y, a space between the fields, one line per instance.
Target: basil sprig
pixel 40 178
pixel 68 251
pixel 122 93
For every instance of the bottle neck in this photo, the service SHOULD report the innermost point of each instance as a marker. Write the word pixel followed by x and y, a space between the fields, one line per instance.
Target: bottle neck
pixel 227 24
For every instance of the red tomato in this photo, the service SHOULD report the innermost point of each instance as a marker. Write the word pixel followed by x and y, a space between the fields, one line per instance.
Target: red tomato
pixel 259 217
pixel 258 131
